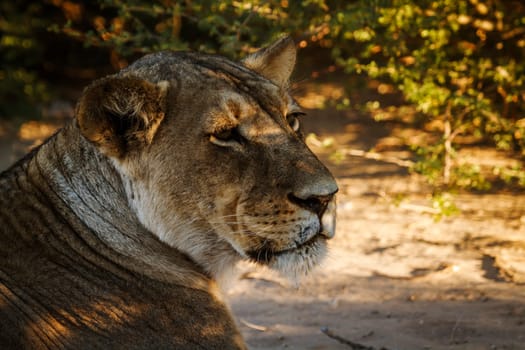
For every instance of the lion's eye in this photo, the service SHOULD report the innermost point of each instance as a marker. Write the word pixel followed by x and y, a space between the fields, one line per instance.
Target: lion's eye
pixel 293 120
pixel 226 137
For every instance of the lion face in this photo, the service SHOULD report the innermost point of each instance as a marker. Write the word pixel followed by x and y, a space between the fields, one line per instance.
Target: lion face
pixel 213 159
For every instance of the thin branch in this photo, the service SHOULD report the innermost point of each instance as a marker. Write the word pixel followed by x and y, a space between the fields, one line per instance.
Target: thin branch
pixel 405 163
pixel 351 344
pixel 254 326
pixel 253 10
pixel 454 329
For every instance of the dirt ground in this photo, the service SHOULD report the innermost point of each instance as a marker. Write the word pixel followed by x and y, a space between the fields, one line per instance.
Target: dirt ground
pixel 395 278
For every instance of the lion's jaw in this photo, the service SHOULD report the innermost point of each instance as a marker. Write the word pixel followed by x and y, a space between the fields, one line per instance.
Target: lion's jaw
pixel 292 242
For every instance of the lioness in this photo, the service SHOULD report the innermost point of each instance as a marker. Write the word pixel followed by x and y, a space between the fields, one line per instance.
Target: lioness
pixel 114 231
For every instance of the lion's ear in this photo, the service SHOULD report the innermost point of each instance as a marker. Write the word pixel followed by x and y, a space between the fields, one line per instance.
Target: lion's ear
pixel 120 114
pixel 275 62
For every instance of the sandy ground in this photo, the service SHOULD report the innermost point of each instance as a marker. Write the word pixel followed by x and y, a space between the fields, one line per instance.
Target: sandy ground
pixel 395 278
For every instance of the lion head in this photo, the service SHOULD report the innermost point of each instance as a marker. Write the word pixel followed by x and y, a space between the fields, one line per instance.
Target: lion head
pixel 212 157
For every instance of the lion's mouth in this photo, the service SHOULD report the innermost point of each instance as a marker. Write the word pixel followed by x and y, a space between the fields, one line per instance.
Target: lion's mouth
pixel 267 254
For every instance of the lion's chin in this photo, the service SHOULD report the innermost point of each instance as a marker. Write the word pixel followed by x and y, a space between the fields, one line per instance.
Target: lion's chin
pixel 294 263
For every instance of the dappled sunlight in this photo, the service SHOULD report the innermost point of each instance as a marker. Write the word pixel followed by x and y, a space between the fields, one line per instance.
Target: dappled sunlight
pixel 48 327
pixel 114 319
pixel 98 316
pixel 382 128
pixel 16 140
pixel 319 95
pixel 117 313
pixel 36 131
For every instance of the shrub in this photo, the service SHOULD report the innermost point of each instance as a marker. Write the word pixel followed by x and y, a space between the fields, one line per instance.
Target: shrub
pixel 460 63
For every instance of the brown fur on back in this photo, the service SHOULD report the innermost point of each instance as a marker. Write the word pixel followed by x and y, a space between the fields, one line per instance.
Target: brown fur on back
pixel 61 286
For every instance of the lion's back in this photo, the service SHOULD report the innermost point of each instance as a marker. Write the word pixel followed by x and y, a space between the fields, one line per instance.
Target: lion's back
pixel 57 291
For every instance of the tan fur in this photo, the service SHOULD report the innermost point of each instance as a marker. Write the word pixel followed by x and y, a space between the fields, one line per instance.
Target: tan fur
pixel 114 232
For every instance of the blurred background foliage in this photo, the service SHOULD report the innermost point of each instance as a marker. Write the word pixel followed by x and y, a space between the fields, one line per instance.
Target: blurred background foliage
pixel 458 65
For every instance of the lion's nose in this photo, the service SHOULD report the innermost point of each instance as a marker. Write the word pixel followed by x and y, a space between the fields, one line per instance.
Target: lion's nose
pixel 316 204
pixel 312 185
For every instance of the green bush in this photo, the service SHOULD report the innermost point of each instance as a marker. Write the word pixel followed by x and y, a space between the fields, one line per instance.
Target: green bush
pixel 460 64
pixel 20 87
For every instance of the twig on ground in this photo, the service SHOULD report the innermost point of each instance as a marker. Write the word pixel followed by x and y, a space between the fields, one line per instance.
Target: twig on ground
pixel 454 329
pixel 377 156
pixel 254 326
pixel 419 208
pixel 250 275
pixel 405 163
pixel 418 272
pixel 351 344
